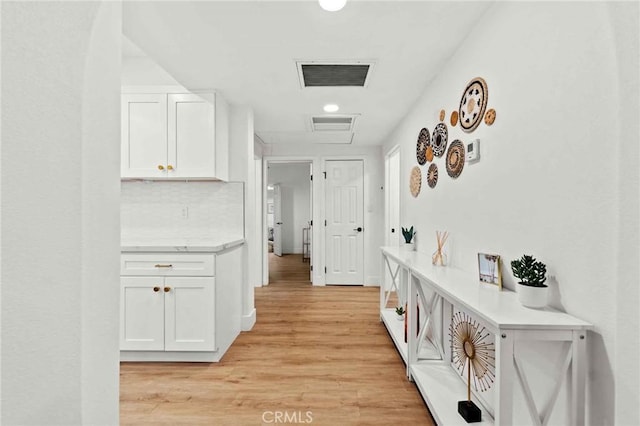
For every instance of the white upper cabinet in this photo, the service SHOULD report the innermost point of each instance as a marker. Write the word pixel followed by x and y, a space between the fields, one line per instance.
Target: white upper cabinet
pixel 174 136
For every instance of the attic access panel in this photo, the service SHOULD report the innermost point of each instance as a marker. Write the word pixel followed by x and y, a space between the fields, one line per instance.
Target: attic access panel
pixel 333 74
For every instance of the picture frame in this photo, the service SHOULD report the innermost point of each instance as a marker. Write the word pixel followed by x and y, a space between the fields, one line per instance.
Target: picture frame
pixel 270 208
pixel 489 269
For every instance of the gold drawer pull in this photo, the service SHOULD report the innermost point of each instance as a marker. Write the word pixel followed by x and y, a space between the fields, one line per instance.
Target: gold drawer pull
pixel 167 289
pixel 169 167
pixel 159 265
pixel 156 289
pixel 160 167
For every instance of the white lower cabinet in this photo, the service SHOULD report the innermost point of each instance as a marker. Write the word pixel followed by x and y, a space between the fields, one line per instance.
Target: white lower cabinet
pixel 167 313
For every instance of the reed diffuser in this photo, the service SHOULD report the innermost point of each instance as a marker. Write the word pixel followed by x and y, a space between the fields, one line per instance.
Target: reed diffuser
pixel 439 258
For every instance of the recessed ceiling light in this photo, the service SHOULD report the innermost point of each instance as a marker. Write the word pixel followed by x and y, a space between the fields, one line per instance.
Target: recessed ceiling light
pixel 332 5
pixel 331 108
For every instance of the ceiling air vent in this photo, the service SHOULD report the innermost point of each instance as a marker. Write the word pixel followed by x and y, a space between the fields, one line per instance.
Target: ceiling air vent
pixel 332 123
pixel 314 74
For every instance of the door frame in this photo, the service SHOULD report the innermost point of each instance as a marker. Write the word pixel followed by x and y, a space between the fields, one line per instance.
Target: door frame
pixel 385 279
pixel 318 214
pixel 266 160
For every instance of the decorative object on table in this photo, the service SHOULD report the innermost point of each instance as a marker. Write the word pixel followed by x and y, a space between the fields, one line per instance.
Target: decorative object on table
pixel 408 235
pixel 489 269
pixel 455 159
pixel 473 104
pixel 438 257
pixel 400 313
pixel 471 349
pixel 432 175
pixel 531 274
pixel 490 117
pixel 439 139
pixel 454 118
pixel 429 153
pixel 424 141
pixel 443 114
pixel 415 181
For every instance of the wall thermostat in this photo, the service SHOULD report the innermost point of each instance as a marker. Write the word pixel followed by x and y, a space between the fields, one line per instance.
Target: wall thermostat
pixel 473 151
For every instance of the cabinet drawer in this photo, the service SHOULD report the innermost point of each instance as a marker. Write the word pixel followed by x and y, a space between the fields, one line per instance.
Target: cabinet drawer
pixel 169 264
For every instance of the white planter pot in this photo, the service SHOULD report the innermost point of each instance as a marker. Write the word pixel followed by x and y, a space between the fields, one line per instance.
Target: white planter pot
pixel 532 297
pixel 410 246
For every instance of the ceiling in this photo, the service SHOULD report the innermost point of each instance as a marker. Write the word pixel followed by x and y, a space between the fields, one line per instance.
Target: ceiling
pixel 247 51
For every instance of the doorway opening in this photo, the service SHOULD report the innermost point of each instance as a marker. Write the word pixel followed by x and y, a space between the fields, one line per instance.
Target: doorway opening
pixel 289 212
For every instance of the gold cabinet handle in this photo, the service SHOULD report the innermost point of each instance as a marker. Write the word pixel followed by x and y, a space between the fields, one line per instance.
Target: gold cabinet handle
pixel 156 289
pixel 160 265
pixel 167 289
pixel 169 167
pixel 160 167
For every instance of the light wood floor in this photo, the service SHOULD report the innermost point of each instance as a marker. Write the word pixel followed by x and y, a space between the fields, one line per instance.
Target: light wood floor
pixel 320 350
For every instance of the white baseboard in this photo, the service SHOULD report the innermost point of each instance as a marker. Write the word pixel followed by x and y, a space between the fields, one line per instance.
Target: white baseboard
pixel 248 321
pixel 372 281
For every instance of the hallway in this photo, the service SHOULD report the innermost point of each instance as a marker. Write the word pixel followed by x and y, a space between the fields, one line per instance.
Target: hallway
pixel 317 353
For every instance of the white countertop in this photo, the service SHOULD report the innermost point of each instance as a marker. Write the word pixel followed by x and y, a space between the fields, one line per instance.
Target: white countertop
pixel 187 246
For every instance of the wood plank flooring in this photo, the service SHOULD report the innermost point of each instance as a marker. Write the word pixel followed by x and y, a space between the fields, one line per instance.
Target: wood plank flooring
pixel 317 355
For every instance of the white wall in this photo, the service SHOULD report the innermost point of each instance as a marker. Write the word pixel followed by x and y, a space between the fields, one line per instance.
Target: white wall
pixel 60 220
pixel 143 71
pixel 295 201
pixel 373 198
pixel 558 176
pixel 242 169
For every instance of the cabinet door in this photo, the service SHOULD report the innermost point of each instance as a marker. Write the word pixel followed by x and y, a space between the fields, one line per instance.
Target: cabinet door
pixel 141 314
pixel 144 135
pixel 189 313
pixel 191 136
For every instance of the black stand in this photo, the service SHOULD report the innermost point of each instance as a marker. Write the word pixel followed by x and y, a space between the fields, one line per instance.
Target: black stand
pixel 469 411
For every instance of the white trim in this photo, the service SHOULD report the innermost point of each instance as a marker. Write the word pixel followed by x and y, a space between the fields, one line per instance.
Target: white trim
pixel 248 321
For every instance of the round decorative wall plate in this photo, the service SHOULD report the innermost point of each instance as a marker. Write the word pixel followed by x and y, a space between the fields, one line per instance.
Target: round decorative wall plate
pixel 429 154
pixel 455 159
pixel 432 175
pixel 454 118
pixel 439 139
pixel 442 115
pixel 424 141
pixel 490 117
pixel 473 104
pixel 415 181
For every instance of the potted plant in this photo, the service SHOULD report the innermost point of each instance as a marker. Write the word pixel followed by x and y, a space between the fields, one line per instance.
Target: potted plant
pixel 531 275
pixel 408 235
pixel 400 312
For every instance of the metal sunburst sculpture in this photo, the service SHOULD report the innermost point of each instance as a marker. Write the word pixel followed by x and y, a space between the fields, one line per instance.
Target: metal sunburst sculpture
pixel 470 347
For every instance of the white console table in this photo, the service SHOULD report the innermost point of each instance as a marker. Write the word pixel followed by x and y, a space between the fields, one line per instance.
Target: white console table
pixel 439 291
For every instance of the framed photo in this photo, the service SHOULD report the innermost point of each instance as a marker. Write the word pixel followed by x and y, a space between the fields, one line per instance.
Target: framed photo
pixel 489 269
pixel 269 207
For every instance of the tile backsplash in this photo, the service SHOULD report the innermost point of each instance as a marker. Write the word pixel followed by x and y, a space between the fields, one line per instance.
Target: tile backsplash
pixel 165 211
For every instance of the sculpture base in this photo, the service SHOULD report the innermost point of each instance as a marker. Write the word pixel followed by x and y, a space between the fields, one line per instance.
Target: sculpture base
pixel 469 411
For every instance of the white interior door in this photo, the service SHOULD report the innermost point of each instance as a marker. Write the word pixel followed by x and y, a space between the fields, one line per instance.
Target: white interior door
pixel 344 203
pixel 277 220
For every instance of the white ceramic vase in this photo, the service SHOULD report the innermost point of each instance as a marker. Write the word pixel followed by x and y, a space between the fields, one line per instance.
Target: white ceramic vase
pixel 410 246
pixel 532 297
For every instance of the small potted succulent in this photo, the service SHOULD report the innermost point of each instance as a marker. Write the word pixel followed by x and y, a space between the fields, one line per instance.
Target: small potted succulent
pixel 400 312
pixel 408 235
pixel 531 274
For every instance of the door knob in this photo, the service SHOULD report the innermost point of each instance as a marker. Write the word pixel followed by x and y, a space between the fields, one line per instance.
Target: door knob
pixel 169 167
pixel 393 230
pixel 278 223
pixel 359 229
pixel 160 167
pixel 167 289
